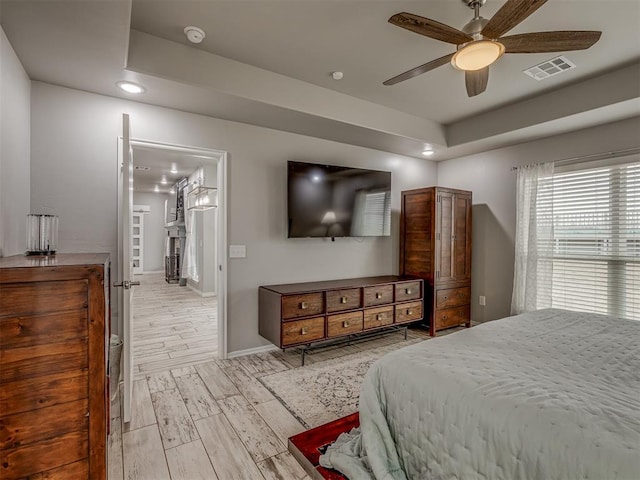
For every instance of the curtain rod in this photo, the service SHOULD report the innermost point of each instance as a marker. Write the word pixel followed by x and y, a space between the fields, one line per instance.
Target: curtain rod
pixel 590 158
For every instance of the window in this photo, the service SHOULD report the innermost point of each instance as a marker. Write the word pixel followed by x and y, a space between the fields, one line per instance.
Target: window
pixel 595 259
pixel 372 214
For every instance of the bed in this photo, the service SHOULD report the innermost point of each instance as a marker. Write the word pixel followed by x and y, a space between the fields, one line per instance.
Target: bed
pixel 549 394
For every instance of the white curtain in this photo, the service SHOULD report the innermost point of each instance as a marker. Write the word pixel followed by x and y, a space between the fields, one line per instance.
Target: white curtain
pixel 189 262
pixel 533 269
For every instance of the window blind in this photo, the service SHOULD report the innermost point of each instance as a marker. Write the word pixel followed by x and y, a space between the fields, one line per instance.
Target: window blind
pixel 595 217
pixel 375 217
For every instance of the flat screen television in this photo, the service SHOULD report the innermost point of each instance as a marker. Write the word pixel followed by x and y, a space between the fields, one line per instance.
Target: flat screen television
pixel 332 201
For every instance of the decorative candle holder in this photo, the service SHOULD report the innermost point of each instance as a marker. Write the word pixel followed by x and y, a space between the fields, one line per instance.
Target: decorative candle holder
pixel 42 234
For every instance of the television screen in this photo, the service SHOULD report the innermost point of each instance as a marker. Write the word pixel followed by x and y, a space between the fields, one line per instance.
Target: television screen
pixel 332 201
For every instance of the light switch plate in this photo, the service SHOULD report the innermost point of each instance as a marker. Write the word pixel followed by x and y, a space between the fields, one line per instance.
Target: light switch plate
pixel 237 251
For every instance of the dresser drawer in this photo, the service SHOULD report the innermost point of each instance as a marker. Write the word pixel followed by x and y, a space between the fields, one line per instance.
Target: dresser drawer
pixel 341 300
pixel 344 324
pixel 302 331
pixel 29 330
pixel 378 295
pixel 378 317
pixel 450 317
pixel 408 312
pixel 43 297
pixel 305 305
pixel 40 424
pixel 408 291
pixel 453 297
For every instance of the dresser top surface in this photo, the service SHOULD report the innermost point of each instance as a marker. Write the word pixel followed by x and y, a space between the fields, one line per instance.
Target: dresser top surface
pixel 57 260
pixel 335 284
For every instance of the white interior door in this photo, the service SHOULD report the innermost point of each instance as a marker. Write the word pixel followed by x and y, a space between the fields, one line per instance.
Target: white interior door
pixel 126 264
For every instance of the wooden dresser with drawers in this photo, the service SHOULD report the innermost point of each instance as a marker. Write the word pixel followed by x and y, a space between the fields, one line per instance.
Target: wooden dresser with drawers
pixel 303 313
pixel 53 366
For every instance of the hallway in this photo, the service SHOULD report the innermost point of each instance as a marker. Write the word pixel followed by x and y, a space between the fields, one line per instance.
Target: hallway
pixel 172 326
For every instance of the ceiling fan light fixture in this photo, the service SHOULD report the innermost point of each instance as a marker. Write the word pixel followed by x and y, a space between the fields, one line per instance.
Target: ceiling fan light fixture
pixel 477 55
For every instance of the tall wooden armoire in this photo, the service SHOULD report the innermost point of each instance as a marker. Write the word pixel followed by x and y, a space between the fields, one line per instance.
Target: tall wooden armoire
pixel 435 245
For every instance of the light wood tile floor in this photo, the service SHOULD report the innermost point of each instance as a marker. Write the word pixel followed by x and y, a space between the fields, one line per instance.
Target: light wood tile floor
pixel 172 326
pixel 203 418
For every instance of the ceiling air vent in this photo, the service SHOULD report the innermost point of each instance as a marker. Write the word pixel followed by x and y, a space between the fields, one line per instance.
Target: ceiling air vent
pixel 550 68
pixel 141 168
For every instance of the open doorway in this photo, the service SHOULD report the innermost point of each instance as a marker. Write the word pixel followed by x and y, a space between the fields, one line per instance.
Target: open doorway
pixel 178 239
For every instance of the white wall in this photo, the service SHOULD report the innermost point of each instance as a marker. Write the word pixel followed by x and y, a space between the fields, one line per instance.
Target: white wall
pixel 74 152
pixel 15 142
pixel 154 231
pixel 489 176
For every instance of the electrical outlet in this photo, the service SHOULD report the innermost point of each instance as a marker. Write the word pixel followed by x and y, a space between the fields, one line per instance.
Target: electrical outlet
pixel 482 300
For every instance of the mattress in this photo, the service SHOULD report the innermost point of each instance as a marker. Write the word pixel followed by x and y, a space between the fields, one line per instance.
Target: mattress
pixel 549 394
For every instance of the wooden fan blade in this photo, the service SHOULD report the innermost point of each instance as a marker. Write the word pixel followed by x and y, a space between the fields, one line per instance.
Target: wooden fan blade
pixel 414 72
pixel 542 42
pixel 511 14
pixel 429 28
pixel 476 81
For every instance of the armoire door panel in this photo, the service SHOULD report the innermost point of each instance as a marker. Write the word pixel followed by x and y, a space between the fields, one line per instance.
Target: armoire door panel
pixel 462 238
pixel 444 237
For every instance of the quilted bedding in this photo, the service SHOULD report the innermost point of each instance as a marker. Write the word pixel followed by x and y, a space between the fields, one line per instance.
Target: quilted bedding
pixel 550 394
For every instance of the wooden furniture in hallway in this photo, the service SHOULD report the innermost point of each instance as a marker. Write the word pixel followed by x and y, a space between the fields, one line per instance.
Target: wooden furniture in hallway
pixel 300 314
pixel 435 245
pixel 54 317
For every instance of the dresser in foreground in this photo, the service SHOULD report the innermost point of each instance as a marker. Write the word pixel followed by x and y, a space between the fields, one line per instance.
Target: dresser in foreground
pixel 54 320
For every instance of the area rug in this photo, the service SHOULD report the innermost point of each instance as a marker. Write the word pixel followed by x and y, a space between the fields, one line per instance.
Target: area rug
pixel 322 392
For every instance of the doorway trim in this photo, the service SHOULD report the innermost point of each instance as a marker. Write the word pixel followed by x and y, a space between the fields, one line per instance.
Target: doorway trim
pixel 221 157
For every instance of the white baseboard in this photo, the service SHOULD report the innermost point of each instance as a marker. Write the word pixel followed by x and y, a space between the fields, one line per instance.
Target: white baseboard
pixel 250 351
pixel 200 292
pixel 152 271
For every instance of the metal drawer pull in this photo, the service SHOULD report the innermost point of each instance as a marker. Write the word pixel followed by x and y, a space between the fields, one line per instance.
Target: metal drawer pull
pixel 409 312
pixel 303 305
pixel 304 331
pixel 444 317
pixel 461 294
pixel 407 291
pixel 343 299
pixel 379 316
pixel 378 295
pixel 345 324
pixel 445 297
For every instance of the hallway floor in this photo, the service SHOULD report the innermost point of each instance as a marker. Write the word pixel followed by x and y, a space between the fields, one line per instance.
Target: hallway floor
pixel 172 326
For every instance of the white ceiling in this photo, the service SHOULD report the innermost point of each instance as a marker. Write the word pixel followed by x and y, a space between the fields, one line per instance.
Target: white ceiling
pixel 160 163
pixel 268 63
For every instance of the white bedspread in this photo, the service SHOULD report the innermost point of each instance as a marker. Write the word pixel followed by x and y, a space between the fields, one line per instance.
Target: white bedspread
pixel 544 395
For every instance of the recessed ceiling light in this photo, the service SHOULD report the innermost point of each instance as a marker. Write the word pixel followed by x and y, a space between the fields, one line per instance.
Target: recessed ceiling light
pixel 163 181
pixel 130 87
pixel 428 152
pixel 337 75
pixel 156 188
pixel 174 170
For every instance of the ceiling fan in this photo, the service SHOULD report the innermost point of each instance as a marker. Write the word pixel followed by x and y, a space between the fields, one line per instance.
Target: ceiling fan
pixel 480 42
